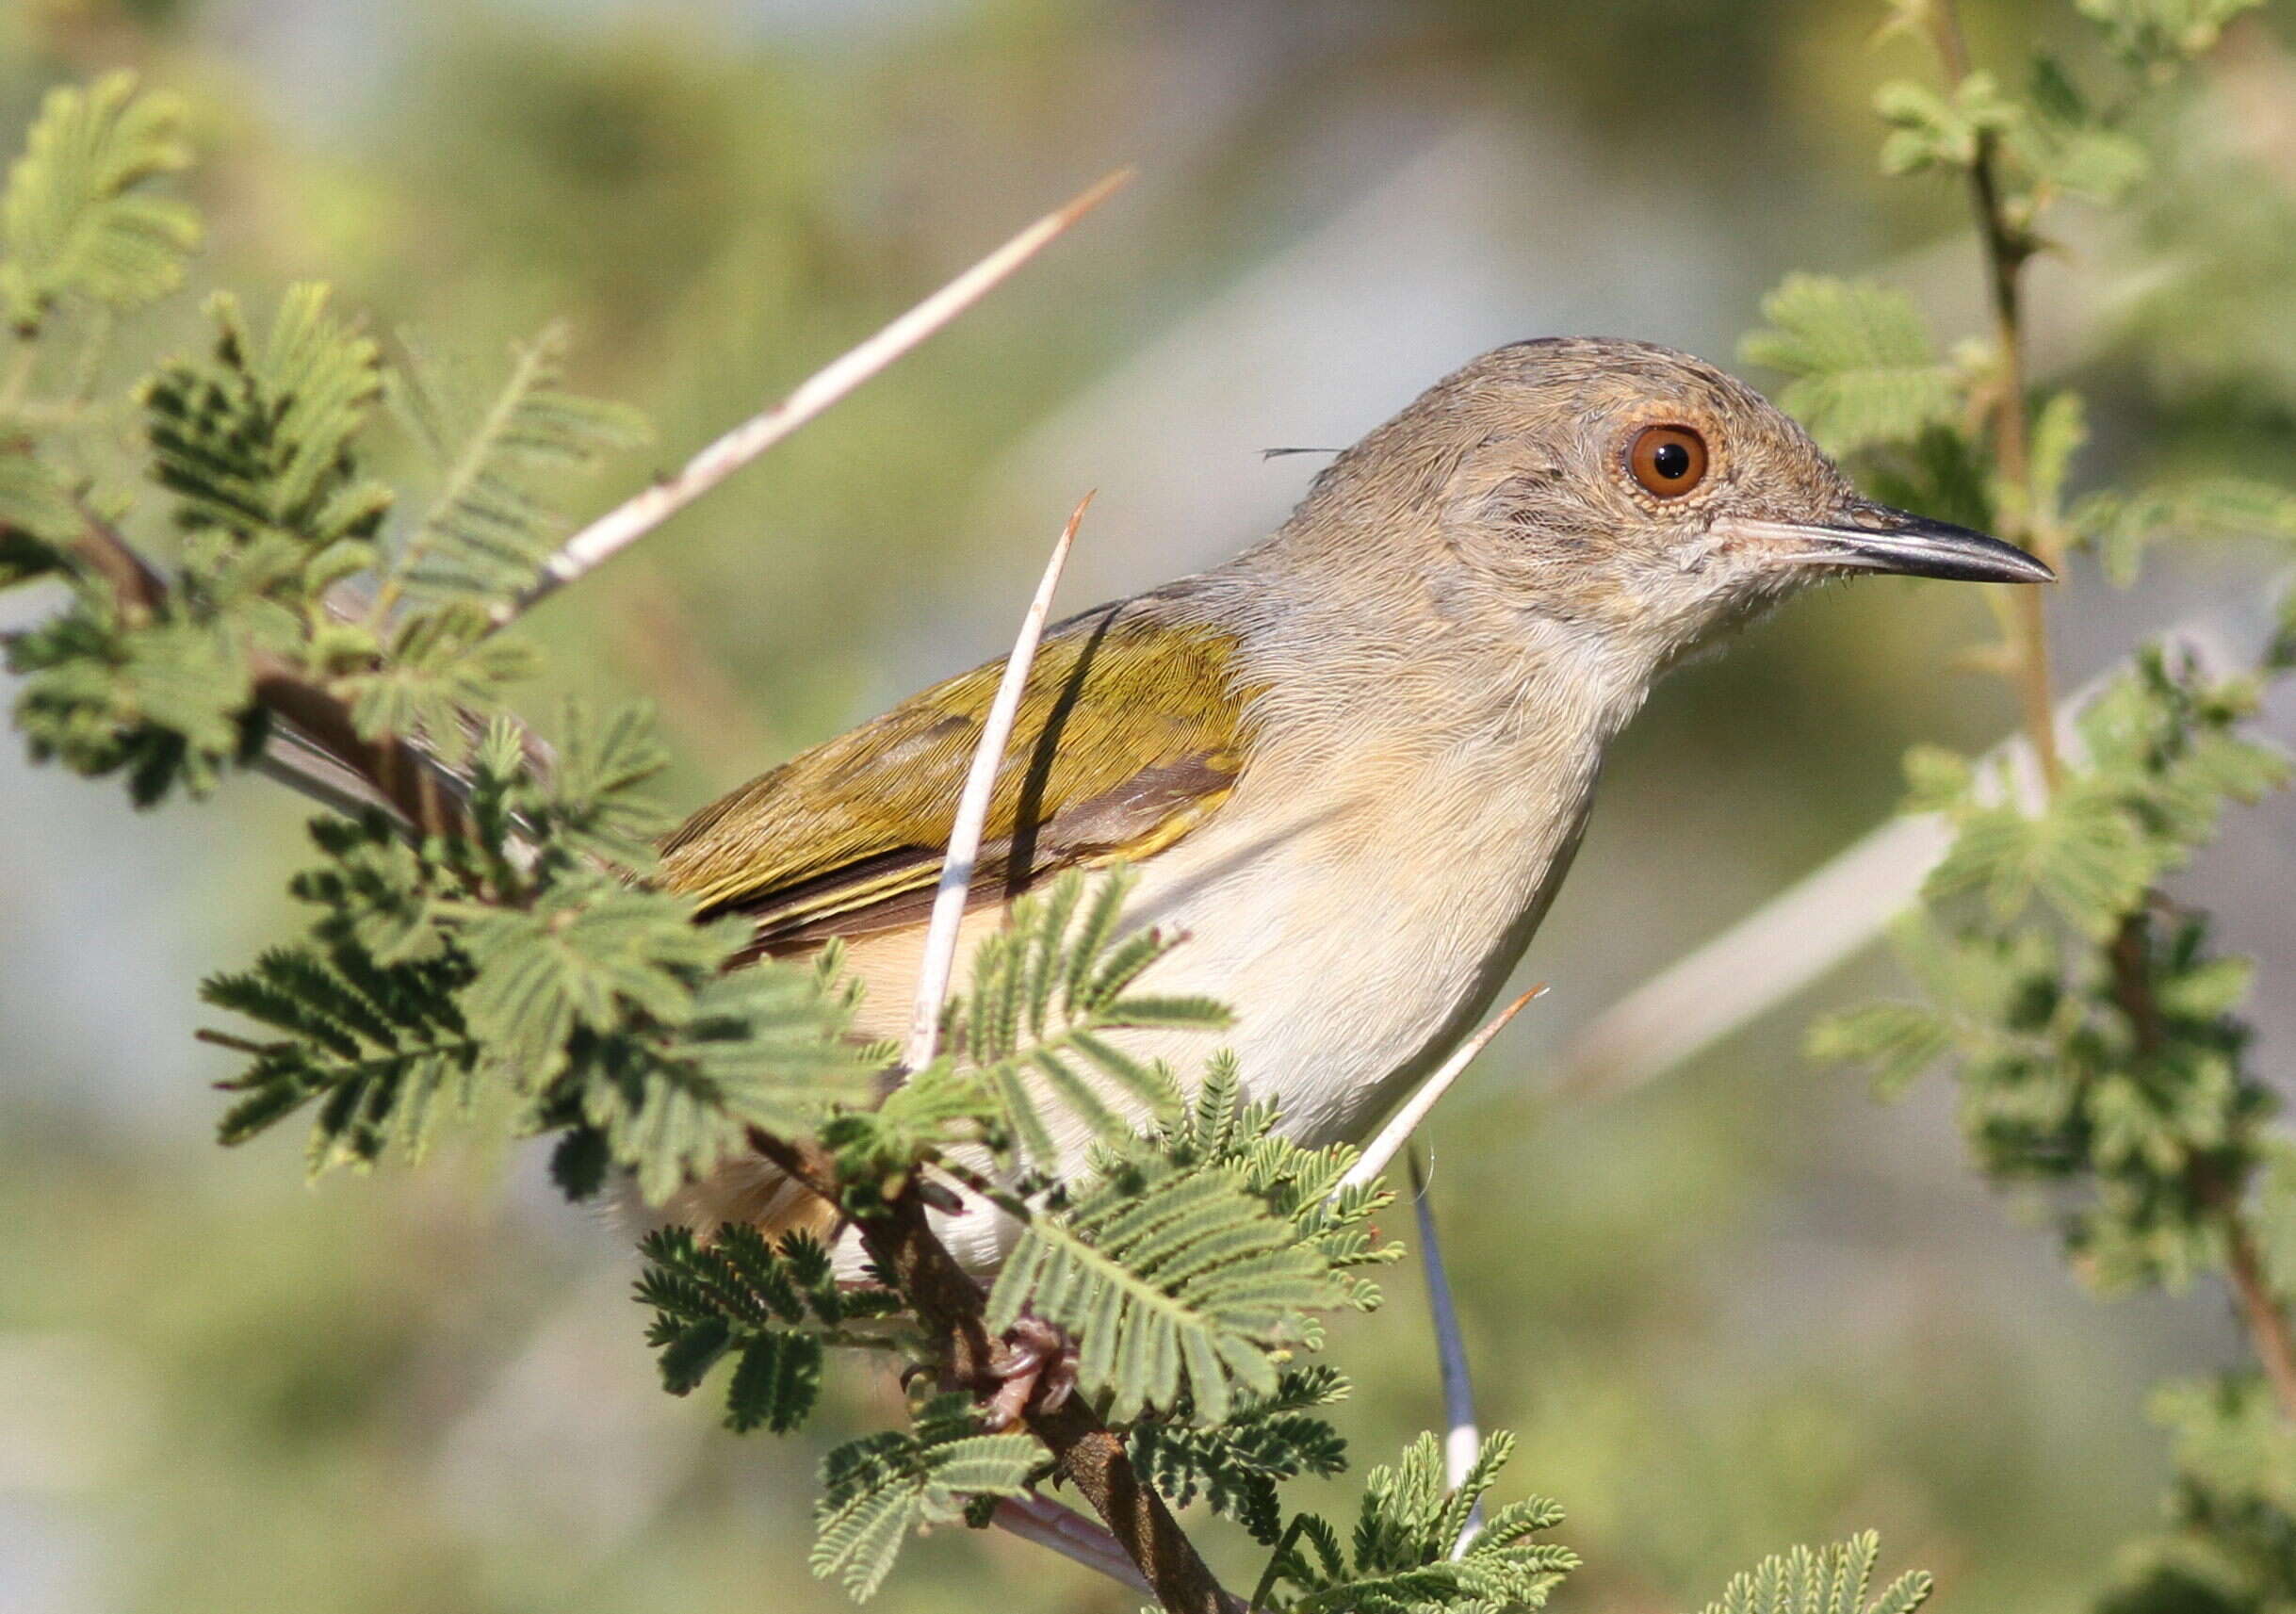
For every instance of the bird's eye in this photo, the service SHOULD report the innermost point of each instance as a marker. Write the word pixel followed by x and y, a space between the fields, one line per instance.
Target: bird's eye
pixel 1668 461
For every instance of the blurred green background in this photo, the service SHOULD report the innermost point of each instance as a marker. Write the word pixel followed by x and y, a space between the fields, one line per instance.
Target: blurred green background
pixel 1737 1307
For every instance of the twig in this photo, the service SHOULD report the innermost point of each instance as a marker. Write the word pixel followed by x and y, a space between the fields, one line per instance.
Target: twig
pixel 288 758
pixel 1463 1438
pixel 632 520
pixel 2007 246
pixel 1086 1451
pixel 2260 1311
pixel 1045 1522
pixel 400 774
pixel 1405 1120
pixel 939 960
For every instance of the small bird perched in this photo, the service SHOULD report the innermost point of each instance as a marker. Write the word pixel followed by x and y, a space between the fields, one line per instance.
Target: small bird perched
pixel 1353 763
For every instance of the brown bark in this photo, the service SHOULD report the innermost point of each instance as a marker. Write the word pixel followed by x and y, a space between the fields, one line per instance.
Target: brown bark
pixel 1088 1454
pixel 399 772
pixel 2260 1311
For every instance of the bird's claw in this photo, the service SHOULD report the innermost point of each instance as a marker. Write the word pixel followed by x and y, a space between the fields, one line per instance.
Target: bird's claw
pixel 1034 1364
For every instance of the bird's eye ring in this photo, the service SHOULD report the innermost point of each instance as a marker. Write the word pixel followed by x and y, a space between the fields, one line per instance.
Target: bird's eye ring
pixel 1668 461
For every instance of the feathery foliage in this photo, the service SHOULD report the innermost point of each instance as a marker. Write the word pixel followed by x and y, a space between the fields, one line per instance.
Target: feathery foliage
pixel 1047 991
pixel 254 439
pixel 1405 1554
pixel 1028 1056
pixel 382 1047
pixel 1305 1186
pixel 1198 1260
pixel 769 1307
pixel 875 1489
pixel 78 219
pixel 487 529
pixel 602 1010
pixel 1170 1276
pixel 2227 1545
pixel 1236 1466
pixel 1830 1580
pixel 1864 368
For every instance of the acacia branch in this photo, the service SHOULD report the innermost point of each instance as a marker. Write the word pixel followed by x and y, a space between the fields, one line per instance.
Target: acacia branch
pixel 948 1306
pixel 900 1237
pixel 2007 246
pixel 324 754
pixel 632 520
pixel 2261 1315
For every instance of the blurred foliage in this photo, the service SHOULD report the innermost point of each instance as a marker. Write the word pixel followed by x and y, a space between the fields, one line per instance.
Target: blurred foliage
pixel 2098 1040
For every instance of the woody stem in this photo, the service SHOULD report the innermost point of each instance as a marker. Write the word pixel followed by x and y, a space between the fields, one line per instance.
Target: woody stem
pixel 2006 246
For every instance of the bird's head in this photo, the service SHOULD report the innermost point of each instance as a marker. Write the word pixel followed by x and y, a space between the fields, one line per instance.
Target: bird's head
pixel 1622 492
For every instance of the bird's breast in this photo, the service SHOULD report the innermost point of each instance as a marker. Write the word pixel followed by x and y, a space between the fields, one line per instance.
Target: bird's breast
pixel 1359 929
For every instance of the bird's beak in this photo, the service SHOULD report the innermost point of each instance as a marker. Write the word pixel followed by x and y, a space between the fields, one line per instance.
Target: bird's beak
pixel 1875 538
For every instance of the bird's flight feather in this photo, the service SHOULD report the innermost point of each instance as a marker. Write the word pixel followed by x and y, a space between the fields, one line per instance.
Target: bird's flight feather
pixel 847 839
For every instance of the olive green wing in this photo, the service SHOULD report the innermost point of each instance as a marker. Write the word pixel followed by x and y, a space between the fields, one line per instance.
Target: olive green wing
pixel 1130 732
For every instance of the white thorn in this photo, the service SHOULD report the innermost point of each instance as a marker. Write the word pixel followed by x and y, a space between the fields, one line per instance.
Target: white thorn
pixel 1405 1122
pixel 956 870
pixel 632 520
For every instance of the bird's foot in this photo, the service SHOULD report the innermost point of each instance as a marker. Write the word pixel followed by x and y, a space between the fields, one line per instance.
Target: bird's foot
pixel 1035 1365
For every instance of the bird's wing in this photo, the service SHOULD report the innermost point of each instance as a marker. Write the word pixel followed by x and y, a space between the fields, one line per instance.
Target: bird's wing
pixel 1130 732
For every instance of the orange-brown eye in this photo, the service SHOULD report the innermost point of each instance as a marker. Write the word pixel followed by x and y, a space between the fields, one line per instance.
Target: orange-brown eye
pixel 1668 461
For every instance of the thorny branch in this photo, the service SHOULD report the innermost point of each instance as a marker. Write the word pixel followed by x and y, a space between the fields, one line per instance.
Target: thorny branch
pixel 324 750
pixel 2007 246
pixel 1087 1453
pixel 2260 1312
pixel 948 1303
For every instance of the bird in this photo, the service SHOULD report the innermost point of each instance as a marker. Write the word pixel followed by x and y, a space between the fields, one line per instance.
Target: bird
pixel 1353 763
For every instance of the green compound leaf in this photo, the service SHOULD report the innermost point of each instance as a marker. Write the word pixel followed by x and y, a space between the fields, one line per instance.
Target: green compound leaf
pixel 488 527
pixel 586 953
pixel 1826 1580
pixel 1899 1042
pixel 1864 370
pixel 76 221
pixel 2082 854
pixel 1405 1556
pixel 769 1307
pixel 1046 989
pixel 762 1047
pixel 1170 1278
pixel 381 1050
pixel 876 1490
pixel 253 438
pixel 1236 1466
